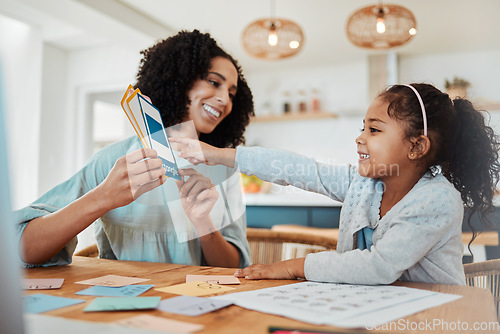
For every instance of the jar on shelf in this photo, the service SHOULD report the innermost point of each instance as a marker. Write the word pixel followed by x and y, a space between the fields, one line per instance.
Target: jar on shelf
pixel 301 101
pixel 315 103
pixel 287 105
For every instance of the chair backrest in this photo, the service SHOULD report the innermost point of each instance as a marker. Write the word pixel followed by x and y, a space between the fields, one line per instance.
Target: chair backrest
pixel 268 246
pixel 485 275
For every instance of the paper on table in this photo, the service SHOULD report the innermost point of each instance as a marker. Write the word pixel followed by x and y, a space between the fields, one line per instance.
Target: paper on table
pixel 39 303
pixel 113 280
pixel 151 322
pixel 214 279
pixel 123 291
pixel 122 303
pixel 334 304
pixel 192 306
pixel 195 289
pixel 42 283
pixel 391 313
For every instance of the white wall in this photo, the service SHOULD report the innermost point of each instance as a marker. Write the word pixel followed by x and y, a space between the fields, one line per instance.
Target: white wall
pixel 21 60
pixel 343 88
pixel 480 68
pixel 90 72
pixel 54 123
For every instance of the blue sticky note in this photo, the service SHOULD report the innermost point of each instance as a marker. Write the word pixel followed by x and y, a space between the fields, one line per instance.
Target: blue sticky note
pixel 39 303
pixel 122 303
pixel 123 291
pixel 192 306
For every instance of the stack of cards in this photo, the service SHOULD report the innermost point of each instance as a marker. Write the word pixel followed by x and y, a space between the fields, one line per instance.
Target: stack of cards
pixel 147 123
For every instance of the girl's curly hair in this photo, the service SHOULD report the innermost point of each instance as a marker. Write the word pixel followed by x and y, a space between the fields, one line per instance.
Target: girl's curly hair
pixel 463 147
pixel 168 71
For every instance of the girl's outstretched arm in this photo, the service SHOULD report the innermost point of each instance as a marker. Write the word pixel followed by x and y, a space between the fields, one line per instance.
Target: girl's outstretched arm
pixel 289 269
pixel 197 152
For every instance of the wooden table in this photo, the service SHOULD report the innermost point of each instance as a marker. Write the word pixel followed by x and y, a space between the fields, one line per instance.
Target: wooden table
pixel 476 305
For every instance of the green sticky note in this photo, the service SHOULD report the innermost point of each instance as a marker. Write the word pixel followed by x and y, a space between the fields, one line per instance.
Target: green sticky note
pixel 122 303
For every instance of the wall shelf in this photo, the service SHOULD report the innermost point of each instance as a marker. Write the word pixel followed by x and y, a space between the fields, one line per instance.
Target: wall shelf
pixel 293 117
pixel 488 106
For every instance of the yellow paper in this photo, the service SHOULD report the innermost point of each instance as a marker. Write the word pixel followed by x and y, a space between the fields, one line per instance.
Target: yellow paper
pixel 214 279
pixel 195 289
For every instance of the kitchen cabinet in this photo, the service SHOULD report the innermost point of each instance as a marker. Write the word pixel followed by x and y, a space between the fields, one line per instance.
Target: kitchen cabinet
pixel 267 216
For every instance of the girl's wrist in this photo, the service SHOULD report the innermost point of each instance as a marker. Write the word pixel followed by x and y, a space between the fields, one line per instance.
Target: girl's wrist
pixel 227 157
pixel 296 267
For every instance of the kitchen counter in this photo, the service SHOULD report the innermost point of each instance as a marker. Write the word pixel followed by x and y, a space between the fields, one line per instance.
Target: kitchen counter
pixel 293 197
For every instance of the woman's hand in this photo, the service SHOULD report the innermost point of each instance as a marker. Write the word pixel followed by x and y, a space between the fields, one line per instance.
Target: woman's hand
pixel 131 176
pixel 198 196
pixel 197 152
pixel 289 269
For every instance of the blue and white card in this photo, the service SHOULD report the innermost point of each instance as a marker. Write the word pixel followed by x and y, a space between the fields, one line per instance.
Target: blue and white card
pixel 157 137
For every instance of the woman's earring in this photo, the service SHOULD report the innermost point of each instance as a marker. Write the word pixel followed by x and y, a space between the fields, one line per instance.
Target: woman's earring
pixel 412 155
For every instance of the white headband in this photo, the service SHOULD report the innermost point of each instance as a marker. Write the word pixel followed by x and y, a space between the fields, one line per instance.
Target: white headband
pixel 424 114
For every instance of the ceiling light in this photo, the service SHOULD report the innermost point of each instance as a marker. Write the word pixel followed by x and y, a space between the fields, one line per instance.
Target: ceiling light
pixel 381 26
pixel 272 38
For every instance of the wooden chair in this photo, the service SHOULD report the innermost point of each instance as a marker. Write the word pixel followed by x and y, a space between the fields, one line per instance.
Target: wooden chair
pixel 90 251
pixel 268 246
pixel 485 275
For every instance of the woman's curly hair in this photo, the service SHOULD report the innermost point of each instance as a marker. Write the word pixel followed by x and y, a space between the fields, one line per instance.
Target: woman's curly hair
pixel 168 71
pixel 463 147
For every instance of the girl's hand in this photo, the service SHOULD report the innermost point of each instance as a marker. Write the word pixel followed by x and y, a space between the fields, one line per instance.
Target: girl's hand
pixel 131 176
pixel 289 269
pixel 197 152
pixel 198 196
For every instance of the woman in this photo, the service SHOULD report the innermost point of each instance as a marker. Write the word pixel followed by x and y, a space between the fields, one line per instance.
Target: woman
pixel 138 212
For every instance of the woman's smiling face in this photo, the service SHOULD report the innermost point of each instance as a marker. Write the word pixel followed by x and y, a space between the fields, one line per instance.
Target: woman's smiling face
pixel 212 98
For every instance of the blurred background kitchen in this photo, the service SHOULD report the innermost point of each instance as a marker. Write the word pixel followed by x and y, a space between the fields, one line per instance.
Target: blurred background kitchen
pixel 66 64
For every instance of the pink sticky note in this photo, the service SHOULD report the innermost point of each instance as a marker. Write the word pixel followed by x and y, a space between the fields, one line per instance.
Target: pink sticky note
pixel 151 322
pixel 214 279
pixel 42 283
pixel 113 281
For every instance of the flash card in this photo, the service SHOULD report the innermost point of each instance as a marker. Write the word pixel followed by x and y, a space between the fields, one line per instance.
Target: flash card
pixel 157 137
pixel 132 109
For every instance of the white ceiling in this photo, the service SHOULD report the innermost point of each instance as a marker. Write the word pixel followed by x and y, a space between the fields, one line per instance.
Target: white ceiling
pixel 443 25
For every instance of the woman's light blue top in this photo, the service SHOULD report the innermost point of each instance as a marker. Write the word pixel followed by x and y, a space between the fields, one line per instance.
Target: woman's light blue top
pixel 153 228
pixel 419 239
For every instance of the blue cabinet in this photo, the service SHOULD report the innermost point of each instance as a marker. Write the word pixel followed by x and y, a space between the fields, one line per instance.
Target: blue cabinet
pixel 267 216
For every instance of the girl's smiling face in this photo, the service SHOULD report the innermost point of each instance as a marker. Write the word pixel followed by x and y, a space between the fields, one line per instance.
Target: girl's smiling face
pixel 212 97
pixel 382 147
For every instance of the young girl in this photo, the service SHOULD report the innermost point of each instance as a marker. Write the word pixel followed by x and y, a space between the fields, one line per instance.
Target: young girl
pixel 421 157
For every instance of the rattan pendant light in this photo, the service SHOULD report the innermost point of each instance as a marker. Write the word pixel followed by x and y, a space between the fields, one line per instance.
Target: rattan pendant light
pixel 272 38
pixel 381 26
